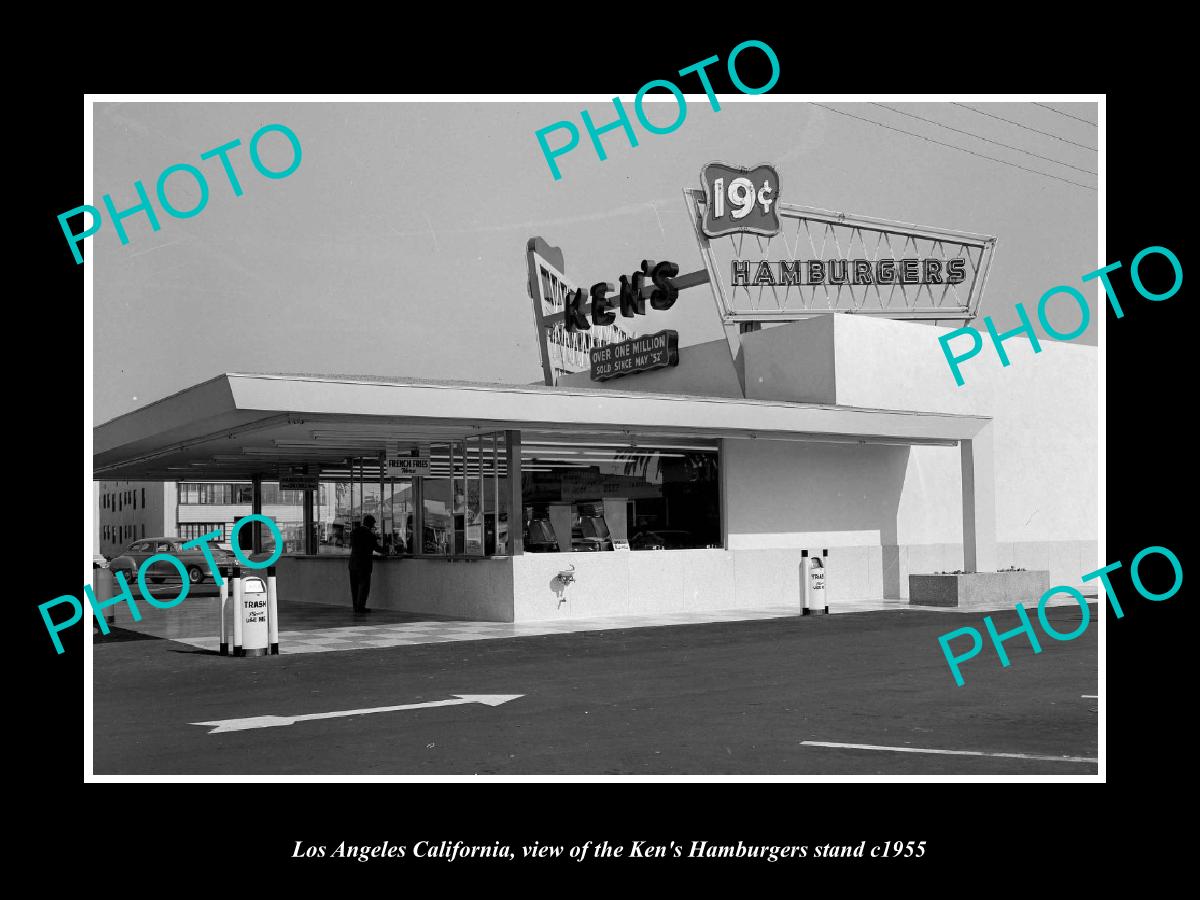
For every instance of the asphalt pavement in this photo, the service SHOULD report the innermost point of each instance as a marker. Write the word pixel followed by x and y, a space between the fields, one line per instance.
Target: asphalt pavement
pixel 757 697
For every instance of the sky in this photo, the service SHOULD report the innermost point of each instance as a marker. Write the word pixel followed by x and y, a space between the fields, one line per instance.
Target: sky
pixel 397 247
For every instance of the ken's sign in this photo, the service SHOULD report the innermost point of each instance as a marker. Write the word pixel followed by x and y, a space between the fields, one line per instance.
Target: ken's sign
pixel 653 351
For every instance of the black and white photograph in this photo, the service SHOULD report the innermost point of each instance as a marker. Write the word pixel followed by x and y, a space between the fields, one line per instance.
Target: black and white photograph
pixel 686 434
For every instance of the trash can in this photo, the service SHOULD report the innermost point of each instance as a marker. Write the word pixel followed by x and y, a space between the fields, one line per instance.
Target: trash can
pixel 249 615
pixel 253 612
pixel 812 583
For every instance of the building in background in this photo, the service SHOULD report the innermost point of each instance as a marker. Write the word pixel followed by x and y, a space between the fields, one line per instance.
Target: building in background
pixel 131 510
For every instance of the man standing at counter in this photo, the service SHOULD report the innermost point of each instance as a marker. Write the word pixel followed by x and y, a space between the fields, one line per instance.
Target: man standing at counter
pixel 363 547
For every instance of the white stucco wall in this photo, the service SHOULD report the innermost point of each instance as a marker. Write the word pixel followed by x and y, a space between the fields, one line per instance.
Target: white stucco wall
pixel 792 362
pixel 898 508
pixel 1045 408
pixel 786 496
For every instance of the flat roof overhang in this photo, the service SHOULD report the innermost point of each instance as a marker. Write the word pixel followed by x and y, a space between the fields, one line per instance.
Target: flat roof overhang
pixel 240 425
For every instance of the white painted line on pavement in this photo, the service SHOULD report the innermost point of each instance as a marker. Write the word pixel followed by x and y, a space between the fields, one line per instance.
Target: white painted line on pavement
pixel 1089 697
pixel 224 725
pixel 1079 759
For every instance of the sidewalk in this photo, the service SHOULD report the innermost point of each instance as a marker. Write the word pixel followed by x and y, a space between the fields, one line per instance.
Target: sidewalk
pixel 310 628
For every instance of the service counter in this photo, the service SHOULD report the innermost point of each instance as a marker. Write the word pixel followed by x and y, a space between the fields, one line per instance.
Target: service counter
pixel 479 589
pixel 526 588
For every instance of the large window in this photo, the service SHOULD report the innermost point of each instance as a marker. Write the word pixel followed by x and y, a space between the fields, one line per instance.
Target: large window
pixel 460 509
pixel 437 502
pixel 237 494
pixel 595 497
pixel 273 496
pixel 339 507
pixel 473 472
pixel 207 494
pixel 574 497
pixel 191 530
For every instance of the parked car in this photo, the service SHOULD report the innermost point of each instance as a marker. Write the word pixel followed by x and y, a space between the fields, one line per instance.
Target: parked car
pixel 668 539
pixel 131 558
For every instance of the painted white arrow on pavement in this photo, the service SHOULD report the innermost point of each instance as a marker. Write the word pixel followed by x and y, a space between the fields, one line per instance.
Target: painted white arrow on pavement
pixel 223 725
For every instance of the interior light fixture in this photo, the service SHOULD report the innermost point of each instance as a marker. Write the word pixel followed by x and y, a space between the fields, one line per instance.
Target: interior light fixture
pixel 645 446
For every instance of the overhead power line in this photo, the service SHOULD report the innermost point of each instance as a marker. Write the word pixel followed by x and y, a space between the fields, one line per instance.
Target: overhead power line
pixel 982 138
pixel 1026 127
pixel 1067 115
pixel 1003 162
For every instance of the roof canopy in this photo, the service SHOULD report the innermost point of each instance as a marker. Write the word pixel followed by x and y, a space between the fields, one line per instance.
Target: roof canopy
pixel 238 426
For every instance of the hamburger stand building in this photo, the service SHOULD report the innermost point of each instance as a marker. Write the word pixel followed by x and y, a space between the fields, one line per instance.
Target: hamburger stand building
pixel 657 477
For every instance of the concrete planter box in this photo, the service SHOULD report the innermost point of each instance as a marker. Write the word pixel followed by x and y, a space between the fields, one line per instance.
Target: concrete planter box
pixel 979 589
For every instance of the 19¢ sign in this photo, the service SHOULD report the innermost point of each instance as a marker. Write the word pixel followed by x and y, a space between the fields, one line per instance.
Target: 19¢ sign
pixel 740 200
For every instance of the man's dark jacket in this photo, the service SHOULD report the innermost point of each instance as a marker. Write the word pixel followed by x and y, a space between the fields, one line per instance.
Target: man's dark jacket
pixel 362 544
